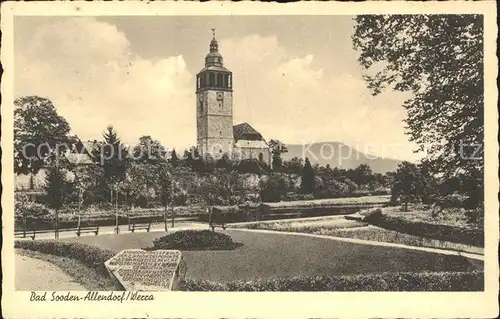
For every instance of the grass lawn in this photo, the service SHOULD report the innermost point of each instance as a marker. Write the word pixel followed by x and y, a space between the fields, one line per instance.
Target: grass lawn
pixel 268 255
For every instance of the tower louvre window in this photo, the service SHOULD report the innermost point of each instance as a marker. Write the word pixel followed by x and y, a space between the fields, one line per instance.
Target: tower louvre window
pixel 226 77
pixel 220 82
pixel 211 79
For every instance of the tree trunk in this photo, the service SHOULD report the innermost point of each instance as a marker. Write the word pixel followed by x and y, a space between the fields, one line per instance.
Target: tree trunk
pixel 57 224
pixel 165 217
pixel 116 213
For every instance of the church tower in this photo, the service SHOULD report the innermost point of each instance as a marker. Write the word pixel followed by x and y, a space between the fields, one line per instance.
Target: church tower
pixel 214 100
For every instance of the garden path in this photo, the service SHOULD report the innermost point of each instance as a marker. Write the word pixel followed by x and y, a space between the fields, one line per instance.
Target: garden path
pixel 34 274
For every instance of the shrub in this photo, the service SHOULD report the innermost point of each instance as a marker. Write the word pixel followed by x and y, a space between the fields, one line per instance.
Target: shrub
pixel 91 256
pixel 408 281
pixel 195 240
pixel 31 213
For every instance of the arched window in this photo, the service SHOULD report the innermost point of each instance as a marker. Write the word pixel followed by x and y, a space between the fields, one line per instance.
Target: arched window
pixel 198 80
pixel 211 80
pixel 229 81
pixel 261 157
pixel 226 78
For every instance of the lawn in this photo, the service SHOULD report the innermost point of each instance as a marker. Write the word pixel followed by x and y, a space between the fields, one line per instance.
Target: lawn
pixel 268 255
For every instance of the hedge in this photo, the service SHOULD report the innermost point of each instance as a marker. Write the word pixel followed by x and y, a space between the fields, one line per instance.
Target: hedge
pixel 473 237
pixel 423 281
pixel 92 256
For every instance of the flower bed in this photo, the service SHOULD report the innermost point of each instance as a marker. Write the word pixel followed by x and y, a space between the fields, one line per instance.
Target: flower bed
pixel 195 240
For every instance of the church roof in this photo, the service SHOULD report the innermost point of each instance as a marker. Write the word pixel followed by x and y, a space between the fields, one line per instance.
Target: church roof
pixel 244 131
pixel 214 68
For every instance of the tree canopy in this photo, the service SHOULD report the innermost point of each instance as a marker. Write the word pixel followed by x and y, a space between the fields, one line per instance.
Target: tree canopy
pixel 439 58
pixel 39 132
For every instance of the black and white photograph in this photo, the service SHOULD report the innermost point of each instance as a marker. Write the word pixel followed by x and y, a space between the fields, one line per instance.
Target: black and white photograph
pixel 260 152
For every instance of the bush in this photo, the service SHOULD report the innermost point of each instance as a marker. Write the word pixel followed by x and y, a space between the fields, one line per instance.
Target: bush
pixel 91 256
pixel 423 281
pixel 195 240
pixel 31 213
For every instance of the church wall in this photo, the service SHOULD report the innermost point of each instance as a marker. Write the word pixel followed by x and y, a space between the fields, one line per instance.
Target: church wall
pixel 252 153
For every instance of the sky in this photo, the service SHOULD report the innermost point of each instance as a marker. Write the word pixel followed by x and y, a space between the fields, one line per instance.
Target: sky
pixel 295 78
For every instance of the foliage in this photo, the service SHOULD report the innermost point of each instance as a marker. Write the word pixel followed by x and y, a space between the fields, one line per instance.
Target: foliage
pixel 195 240
pixel 55 186
pixel 277 148
pixel 174 159
pixel 141 181
pixel 149 151
pixel 113 156
pixel 30 213
pixel 224 162
pixel 293 166
pixel 91 256
pixel 331 202
pixel 272 188
pixel 89 183
pixel 439 58
pixel 252 166
pixel 39 133
pixel 403 281
pixel 307 183
pixel 407 184
pixel 468 236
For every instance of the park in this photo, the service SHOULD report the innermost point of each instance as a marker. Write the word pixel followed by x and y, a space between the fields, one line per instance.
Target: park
pixel 239 212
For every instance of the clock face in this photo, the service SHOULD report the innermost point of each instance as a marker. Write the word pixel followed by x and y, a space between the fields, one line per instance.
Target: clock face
pixel 220 96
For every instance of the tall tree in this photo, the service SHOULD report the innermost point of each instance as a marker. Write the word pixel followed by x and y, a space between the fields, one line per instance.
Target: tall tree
pixel 39 133
pixel 174 159
pixel 149 151
pixel 307 183
pixel 439 58
pixel 113 157
pixel 277 148
pixel 55 190
pixel 407 183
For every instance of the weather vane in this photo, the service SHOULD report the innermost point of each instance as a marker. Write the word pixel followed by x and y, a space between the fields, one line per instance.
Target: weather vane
pixel 213 32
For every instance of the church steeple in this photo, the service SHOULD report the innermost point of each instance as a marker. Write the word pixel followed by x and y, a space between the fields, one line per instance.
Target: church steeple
pixel 213 58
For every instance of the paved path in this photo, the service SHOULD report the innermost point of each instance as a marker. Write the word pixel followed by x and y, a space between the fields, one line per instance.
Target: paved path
pixel 34 274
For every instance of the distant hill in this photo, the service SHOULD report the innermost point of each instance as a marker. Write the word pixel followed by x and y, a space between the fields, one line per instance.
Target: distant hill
pixel 339 155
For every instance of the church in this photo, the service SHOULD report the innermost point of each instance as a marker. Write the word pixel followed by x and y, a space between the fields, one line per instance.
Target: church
pixel 216 133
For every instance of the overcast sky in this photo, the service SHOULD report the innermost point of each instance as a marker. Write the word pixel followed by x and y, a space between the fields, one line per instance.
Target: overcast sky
pixel 296 78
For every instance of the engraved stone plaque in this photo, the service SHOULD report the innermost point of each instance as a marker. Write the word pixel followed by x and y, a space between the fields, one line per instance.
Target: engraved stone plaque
pixel 141 270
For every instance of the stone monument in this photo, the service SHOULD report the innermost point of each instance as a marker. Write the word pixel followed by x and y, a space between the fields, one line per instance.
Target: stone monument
pixel 142 270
